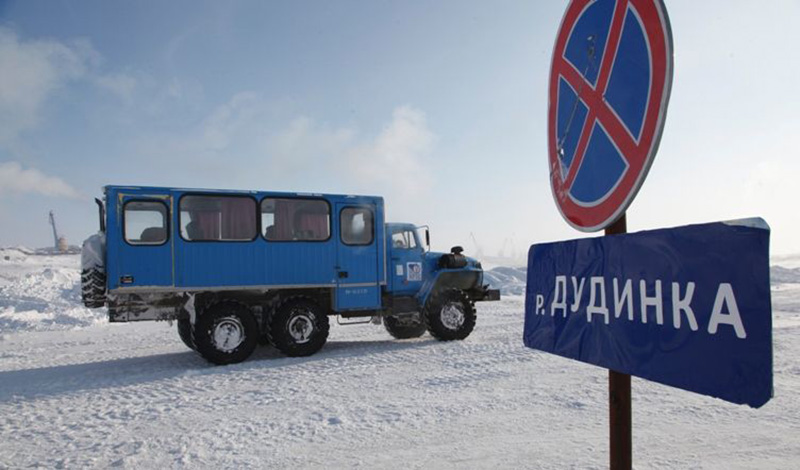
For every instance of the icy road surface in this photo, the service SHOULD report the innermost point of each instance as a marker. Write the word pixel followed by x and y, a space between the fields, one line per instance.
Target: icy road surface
pixel 132 396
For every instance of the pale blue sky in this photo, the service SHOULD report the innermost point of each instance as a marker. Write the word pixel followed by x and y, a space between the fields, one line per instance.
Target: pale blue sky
pixel 438 106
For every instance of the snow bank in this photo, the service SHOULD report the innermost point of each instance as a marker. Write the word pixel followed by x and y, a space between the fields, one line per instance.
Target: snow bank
pixel 787 261
pixel 42 292
pixel 510 281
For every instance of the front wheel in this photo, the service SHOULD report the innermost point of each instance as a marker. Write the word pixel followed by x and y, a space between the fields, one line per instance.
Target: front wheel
pixel 298 327
pixel 449 315
pixel 93 287
pixel 404 326
pixel 225 333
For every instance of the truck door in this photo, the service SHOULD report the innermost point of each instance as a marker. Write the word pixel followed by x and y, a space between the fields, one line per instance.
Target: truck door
pixel 144 255
pixel 405 261
pixel 357 258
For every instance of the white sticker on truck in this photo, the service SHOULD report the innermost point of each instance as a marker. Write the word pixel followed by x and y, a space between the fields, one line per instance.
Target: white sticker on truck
pixel 414 271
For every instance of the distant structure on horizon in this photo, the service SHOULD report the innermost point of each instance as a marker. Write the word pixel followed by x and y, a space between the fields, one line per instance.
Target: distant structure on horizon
pixel 59 243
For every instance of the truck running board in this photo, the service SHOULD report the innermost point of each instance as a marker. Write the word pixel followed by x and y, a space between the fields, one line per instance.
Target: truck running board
pixel 364 320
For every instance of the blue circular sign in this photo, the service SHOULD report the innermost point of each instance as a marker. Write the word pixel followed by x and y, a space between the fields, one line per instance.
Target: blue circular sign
pixel 610 82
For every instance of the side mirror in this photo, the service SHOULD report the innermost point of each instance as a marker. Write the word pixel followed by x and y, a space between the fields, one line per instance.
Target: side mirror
pixel 102 212
pixel 428 239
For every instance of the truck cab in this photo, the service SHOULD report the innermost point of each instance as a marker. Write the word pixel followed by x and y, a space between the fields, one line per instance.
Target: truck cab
pixel 238 268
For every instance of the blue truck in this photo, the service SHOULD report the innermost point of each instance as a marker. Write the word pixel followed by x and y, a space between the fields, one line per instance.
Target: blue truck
pixel 236 269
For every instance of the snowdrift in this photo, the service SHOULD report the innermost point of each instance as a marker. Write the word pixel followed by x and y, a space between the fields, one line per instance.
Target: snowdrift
pixel 41 292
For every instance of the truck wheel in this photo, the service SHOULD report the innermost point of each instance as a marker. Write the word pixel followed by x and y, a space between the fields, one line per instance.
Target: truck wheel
pixel 225 333
pixel 185 332
pixel 93 288
pixel 298 327
pixel 93 272
pixel 404 327
pixel 449 315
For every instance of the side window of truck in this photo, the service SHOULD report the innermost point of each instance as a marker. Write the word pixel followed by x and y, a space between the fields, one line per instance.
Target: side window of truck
pixel 404 240
pixel 286 219
pixel 145 222
pixel 218 218
pixel 357 226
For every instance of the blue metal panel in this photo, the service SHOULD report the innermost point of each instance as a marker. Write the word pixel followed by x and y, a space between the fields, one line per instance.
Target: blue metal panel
pixel 380 239
pixel 113 237
pixel 587 43
pixel 572 114
pixel 430 265
pixel 136 265
pixel 359 263
pixel 205 264
pixel 405 265
pixel 256 263
pixel 602 169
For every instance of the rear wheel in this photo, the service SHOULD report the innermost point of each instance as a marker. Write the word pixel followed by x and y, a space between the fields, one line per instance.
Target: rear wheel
pixel 404 326
pixel 298 327
pixel 225 333
pixel 185 332
pixel 449 315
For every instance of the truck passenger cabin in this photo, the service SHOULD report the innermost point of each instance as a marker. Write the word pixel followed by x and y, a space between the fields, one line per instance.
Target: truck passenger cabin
pixel 238 267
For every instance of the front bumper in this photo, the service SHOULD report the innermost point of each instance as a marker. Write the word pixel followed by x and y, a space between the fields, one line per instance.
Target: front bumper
pixel 484 294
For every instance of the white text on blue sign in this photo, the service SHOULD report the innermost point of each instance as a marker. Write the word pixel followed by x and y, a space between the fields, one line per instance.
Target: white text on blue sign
pixel 632 299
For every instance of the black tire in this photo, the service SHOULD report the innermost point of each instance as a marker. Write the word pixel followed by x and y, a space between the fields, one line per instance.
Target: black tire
pixel 225 332
pixel 185 332
pixel 93 288
pixel 404 326
pixel 298 327
pixel 449 315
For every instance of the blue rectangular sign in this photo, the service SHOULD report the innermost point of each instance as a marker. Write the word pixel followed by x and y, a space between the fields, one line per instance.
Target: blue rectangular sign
pixel 687 307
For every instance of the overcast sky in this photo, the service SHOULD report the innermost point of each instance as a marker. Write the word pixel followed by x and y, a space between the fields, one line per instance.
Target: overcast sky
pixel 439 106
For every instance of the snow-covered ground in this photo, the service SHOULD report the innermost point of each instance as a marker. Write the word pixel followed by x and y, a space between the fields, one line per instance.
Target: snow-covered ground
pixel 77 392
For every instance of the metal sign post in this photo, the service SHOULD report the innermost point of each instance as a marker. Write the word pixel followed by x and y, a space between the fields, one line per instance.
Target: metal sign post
pixel 620 423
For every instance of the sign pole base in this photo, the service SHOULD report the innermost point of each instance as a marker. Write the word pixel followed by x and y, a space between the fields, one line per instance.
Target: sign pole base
pixel 619 398
pixel 619 407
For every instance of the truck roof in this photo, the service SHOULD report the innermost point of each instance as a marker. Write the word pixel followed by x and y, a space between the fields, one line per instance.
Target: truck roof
pixel 144 189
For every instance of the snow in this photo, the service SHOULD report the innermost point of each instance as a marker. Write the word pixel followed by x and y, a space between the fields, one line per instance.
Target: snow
pixel 78 392
pixel 510 281
pixel 41 292
pixel 787 261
